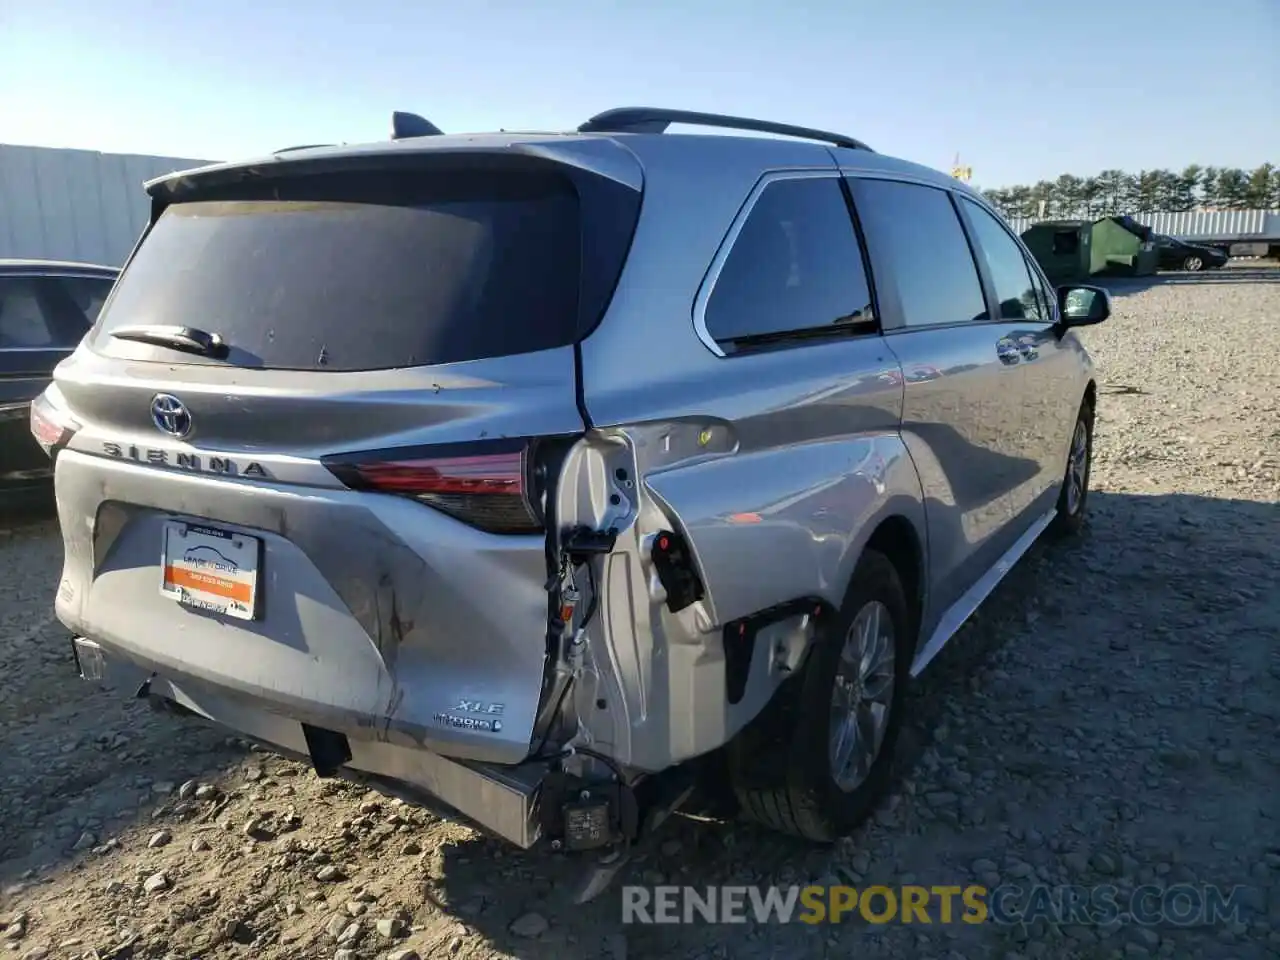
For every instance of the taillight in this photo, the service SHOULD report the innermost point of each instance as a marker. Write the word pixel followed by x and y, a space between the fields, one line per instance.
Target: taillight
pixel 51 425
pixel 487 485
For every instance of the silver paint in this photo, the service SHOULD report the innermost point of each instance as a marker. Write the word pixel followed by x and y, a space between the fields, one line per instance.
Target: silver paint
pixel 387 620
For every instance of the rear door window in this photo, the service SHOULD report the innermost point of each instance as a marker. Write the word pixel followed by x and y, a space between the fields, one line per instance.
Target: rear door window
pixel 362 272
pixel 87 294
pixel 795 266
pixel 917 244
pixel 36 314
pixel 1006 264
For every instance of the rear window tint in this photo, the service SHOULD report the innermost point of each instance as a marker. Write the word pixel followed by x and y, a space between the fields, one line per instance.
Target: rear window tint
pixel 795 266
pixel 347 272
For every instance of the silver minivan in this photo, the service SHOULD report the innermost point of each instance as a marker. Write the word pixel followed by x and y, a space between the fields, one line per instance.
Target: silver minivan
pixel 556 476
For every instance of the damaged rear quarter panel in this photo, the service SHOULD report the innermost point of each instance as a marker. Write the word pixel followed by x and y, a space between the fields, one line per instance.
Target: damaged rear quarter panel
pixel 776 485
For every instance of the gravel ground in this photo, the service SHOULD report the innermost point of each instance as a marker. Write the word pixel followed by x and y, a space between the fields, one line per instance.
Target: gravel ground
pixel 1108 717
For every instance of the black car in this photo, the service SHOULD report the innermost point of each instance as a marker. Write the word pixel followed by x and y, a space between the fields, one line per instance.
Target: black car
pixel 1175 254
pixel 46 307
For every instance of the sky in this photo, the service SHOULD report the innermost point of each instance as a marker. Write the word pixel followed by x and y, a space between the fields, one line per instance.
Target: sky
pixel 1022 91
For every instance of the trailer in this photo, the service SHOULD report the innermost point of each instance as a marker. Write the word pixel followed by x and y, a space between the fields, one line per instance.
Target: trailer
pixel 80 205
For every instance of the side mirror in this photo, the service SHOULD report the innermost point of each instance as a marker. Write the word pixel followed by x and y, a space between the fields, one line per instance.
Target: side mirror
pixel 1083 306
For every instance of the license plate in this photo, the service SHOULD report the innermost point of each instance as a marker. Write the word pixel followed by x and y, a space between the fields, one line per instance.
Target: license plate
pixel 211 569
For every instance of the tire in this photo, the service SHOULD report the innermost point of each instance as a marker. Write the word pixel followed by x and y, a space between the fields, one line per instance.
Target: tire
pixel 1073 501
pixel 1193 263
pixel 781 765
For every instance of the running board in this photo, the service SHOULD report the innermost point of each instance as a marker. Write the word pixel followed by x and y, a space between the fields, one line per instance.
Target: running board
pixel 960 611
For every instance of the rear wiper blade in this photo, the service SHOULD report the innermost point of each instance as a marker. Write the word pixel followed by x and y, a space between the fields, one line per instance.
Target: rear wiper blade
pixel 186 339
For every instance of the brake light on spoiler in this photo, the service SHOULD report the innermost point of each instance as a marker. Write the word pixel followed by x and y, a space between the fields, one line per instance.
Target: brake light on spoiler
pixel 490 485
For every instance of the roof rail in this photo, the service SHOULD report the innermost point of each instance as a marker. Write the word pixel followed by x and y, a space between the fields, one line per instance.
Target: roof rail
pixel 301 146
pixel 407 125
pixel 657 119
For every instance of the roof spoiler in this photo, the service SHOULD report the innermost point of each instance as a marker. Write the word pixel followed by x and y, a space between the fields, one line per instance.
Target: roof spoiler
pixel 657 119
pixel 405 126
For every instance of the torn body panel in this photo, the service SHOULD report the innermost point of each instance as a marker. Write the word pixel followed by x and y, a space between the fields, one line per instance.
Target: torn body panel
pixel 656 682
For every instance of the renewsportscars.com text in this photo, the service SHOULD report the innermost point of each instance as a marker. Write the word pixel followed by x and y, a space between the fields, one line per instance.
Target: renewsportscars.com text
pixel 1179 905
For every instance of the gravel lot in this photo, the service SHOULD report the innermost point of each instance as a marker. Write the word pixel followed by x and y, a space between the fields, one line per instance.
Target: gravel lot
pixel 1110 716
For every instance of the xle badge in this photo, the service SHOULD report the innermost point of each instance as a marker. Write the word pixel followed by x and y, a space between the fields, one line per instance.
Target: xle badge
pixel 479 706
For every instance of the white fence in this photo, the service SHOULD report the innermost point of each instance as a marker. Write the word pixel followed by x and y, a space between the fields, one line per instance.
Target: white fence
pixel 75 204
pixel 1237 225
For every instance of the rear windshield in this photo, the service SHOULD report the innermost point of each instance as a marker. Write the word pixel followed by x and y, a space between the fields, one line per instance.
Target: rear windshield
pixel 363 272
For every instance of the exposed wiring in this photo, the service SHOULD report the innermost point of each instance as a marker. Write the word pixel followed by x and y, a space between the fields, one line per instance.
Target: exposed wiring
pixel 607 761
pixel 592 606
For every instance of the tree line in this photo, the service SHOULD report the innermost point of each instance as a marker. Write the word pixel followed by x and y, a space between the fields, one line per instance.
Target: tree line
pixel 1114 192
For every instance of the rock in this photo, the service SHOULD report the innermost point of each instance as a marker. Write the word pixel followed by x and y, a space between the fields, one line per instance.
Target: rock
pixel 1077 861
pixel 199 845
pixel 351 932
pixel 17 928
pixel 941 798
pixel 187 790
pixel 86 841
pixel 206 791
pixel 255 827
pixel 357 909
pixel 615 946
pixel 36 953
pixel 1227 758
pixel 1145 937
pixel 159 839
pixel 162 788
pixel 411 849
pixel 391 928
pixel 530 926
pixel 407 954
pixel 330 873
pixel 156 883
pixel 337 923
pixel 1105 863
pixel 344 955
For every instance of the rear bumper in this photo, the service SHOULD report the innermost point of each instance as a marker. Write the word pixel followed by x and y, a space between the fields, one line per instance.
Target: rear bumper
pixel 375 612
pixel 500 799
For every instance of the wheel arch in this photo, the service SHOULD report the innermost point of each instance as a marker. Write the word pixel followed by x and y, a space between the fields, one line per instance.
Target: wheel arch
pixel 897 538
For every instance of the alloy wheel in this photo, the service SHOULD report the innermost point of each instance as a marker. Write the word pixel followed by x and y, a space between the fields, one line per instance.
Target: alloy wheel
pixel 862 696
pixel 1077 468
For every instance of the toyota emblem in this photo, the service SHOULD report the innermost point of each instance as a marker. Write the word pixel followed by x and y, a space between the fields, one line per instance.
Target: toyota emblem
pixel 170 416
